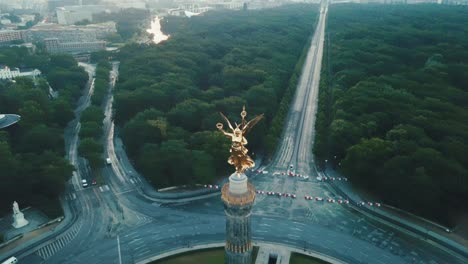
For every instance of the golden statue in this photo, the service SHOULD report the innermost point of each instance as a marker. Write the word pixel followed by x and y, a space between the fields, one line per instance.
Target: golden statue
pixel 239 157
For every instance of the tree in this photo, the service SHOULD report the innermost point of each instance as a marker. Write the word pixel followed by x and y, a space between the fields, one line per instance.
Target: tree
pixel 92 114
pixel 203 168
pixel 91 130
pixel 189 114
pixel 91 149
pixel 145 128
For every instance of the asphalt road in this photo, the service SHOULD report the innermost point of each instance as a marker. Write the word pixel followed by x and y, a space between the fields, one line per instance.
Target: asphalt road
pixel 115 216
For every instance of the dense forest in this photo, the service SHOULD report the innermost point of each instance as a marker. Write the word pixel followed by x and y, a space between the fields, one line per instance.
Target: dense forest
pixel 393 104
pixel 33 170
pixel 169 95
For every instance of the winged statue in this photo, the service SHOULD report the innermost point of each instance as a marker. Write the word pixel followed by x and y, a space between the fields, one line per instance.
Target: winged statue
pixel 239 157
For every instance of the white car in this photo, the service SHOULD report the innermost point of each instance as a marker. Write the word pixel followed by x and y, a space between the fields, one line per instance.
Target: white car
pixel 318 198
pixel 319 178
pixel 84 183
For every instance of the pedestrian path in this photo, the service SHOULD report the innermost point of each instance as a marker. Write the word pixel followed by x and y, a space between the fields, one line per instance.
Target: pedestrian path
pixel 50 249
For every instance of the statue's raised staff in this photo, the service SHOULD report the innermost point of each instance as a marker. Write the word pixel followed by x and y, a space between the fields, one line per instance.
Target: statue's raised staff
pixel 239 157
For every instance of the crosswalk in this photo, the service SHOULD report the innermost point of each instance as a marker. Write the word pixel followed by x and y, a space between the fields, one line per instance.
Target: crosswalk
pixel 50 249
pixel 104 188
pixel 70 196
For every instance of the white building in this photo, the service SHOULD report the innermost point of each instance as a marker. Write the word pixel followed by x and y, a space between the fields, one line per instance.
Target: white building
pixel 69 15
pixel 7 73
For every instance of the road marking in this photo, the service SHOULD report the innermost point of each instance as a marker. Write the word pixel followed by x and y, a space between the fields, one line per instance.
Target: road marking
pixel 130 190
pixel 134 240
pixel 100 188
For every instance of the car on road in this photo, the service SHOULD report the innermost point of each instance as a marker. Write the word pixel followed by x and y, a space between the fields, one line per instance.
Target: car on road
pixel 84 183
pixel 319 178
pixel 291 166
pixel 94 182
pixel 108 161
pixel 318 198
pixel 378 204
pixel 11 260
pixel 330 200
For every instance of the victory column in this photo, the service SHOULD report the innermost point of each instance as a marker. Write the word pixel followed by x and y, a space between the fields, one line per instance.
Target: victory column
pixel 238 195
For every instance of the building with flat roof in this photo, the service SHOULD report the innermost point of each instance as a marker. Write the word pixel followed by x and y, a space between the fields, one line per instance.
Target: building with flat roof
pixel 69 15
pixel 11 35
pixel 86 33
pixel 54 46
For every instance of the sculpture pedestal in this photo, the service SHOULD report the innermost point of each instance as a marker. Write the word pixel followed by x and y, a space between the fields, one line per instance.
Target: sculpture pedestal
pixel 19 221
pixel 238 197
pixel 238 184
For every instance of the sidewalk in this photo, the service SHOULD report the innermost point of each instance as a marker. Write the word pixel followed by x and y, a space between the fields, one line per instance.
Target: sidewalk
pixel 33 240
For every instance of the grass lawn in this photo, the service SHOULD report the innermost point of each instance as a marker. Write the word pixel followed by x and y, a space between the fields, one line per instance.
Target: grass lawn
pixel 304 259
pixel 206 256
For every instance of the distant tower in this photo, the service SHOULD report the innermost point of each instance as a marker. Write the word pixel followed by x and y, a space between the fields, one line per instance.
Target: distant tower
pixel 238 196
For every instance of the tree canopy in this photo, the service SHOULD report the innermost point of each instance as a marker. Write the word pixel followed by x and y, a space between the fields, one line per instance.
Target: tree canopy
pixel 33 170
pixel 169 95
pixel 393 105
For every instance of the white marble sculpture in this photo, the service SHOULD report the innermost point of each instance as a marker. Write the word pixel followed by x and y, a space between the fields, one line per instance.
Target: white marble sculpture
pixel 18 217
